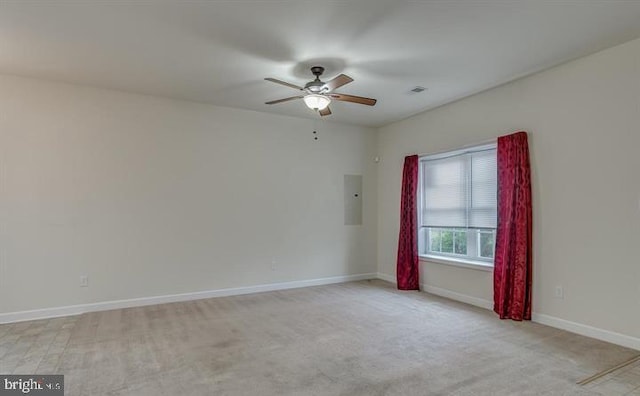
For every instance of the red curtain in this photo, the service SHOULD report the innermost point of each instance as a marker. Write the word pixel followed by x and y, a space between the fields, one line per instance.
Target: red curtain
pixel 513 258
pixel 407 264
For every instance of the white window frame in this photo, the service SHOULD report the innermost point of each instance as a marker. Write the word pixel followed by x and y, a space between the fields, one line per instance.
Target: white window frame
pixel 472 259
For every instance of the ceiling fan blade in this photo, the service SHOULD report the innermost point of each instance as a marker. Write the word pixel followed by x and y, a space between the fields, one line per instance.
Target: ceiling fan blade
pixel 337 82
pixel 325 112
pixel 283 100
pixel 286 84
pixel 352 98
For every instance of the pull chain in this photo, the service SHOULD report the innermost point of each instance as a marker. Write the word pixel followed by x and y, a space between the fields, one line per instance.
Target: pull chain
pixel 315 129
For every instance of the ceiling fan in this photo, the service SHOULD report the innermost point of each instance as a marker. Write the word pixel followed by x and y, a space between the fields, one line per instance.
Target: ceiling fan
pixel 317 95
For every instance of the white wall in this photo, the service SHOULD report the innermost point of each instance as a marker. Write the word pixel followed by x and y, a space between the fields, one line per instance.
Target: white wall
pixel 584 123
pixel 150 196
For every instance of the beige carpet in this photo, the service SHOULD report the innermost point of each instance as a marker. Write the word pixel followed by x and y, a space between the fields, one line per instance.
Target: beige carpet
pixel 361 338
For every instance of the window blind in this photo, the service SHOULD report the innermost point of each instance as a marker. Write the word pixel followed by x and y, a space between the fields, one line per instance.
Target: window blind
pixel 459 191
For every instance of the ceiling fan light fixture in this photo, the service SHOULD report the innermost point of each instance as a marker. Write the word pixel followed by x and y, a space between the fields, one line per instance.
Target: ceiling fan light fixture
pixel 316 102
pixel 318 94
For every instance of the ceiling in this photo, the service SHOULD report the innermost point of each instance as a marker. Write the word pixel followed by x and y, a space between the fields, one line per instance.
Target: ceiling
pixel 220 51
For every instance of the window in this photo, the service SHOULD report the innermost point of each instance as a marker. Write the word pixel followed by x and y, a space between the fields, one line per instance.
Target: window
pixel 458 201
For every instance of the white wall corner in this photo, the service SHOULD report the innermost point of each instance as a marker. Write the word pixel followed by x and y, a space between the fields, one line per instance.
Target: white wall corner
pixel 47 313
pixel 387 277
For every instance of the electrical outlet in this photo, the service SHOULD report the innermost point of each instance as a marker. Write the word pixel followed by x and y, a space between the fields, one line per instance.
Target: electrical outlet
pixel 559 292
pixel 84 281
pixel 273 265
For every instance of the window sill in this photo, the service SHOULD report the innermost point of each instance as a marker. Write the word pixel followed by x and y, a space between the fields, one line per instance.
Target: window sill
pixel 476 265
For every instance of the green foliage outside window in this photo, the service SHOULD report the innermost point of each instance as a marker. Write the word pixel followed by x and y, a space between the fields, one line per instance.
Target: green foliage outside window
pixel 448 241
pixel 486 244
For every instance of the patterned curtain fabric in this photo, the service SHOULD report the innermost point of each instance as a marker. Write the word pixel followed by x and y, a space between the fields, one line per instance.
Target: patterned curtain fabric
pixel 407 265
pixel 513 257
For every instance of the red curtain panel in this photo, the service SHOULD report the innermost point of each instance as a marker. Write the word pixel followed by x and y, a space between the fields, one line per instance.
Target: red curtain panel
pixel 407 264
pixel 513 257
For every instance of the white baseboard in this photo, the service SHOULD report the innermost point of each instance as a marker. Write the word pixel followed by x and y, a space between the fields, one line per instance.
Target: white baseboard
pixel 588 331
pixel 478 302
pixel 578 328
pixel 552 321
pixel 70 310
pixel 388 278
pixel 547 320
